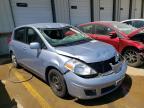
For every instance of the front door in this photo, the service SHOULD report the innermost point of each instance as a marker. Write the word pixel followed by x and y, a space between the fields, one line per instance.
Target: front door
pixel 102 34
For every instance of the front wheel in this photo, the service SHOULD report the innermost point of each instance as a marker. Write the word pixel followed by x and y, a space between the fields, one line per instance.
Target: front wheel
pixel 57 83
pixel 133 57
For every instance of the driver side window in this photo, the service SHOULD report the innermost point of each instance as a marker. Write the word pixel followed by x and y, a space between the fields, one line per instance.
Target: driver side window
pixel 88 29
pixel 102 30
pixel 32 36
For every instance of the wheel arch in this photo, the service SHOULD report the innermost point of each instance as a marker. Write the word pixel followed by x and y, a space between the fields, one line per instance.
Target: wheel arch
pixel 47 71
pixel 128 47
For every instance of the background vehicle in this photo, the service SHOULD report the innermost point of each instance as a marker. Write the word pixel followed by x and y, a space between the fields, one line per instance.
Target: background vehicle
pixel 138 23
pixel 128 40
pixel 68 60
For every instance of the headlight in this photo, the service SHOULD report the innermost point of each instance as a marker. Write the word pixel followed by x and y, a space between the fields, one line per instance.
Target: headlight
pixel 80 68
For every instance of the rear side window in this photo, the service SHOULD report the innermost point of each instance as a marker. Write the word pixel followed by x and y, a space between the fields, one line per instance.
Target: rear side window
pixel 138 24
pixel 20 35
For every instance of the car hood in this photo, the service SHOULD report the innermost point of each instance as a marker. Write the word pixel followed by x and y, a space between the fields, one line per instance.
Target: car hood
pixel 92 51
pixel 137 31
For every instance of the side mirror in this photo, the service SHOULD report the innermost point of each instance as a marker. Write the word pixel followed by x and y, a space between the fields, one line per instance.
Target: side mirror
pixel 34 45
pixel 113 34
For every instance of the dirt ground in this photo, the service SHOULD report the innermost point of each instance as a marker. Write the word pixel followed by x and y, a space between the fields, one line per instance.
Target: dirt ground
pixel 35 93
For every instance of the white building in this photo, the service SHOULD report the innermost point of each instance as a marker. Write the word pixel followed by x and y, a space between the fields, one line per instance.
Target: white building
pixel 18 12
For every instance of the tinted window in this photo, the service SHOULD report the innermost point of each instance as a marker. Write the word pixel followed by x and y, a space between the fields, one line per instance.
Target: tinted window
pixel 138 24
pixel 32 36
pixel 102 30
pixel 128 22
pixel 53 34
pixel 88 29
pixel 20 35
pixel 138 37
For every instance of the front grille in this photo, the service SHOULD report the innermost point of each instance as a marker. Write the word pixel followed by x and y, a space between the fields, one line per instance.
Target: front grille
pixel 103 66
pixel 90 92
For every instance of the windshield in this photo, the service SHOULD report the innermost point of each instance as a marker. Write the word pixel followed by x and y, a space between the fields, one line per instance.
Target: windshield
pixel 127 29
pixel 64 36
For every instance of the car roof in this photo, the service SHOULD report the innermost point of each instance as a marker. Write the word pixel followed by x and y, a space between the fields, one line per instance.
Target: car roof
pixel 45 25
pixel 133 20
pixel 101 22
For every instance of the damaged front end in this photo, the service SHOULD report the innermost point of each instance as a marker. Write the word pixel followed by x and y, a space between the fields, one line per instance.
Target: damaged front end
pixel 140 39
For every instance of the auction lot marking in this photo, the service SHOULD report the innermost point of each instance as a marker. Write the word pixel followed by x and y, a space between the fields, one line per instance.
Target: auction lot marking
pixel 31 90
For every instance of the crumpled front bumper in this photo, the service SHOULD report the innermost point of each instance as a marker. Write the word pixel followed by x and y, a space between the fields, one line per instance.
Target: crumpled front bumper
pixel 94 87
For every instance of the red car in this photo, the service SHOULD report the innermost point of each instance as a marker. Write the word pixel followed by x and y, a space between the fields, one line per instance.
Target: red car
pixel 128 41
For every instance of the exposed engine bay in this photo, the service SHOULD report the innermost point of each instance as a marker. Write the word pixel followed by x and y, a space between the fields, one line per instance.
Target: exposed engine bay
pixel 139 38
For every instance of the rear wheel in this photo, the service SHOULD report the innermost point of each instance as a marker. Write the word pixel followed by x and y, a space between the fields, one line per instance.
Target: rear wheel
pixel 133 57
pixel 14 61
pixel 57 83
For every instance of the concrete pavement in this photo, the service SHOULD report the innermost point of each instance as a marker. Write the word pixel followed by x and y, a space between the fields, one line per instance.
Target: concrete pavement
pixel 35 93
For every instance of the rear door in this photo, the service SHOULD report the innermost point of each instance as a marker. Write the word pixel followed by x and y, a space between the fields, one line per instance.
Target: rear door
pixel 19 44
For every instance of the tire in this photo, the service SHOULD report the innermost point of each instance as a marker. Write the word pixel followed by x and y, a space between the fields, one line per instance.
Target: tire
pixel 57 83
pixel 14 61
pixel 133 57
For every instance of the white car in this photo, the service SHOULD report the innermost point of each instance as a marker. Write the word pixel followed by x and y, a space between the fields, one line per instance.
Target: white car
pixel 138 23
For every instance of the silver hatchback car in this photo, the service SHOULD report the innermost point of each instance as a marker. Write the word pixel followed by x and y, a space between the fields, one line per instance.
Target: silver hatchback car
pixel 67 59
